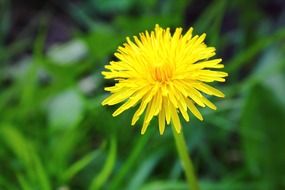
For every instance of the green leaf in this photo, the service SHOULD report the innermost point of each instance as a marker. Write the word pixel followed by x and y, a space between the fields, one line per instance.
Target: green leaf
pixel 144 170
pixel 16 143
pixel 231 184
pixel 210 19
pixel 25 152
pixel 80 164
pixel 63 145
pixel 110 6
pixel 102 34
pixel 102 177
pixel 244 57
pixel 4 183
pixel 23 183
pixel 165 185
pixel 262 130
pixel 130 162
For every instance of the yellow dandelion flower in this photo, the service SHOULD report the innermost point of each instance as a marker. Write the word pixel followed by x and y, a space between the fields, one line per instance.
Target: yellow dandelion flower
pixel 165 74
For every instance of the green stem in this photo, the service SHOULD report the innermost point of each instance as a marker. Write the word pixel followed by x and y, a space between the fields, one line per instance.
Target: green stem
pixel 185 160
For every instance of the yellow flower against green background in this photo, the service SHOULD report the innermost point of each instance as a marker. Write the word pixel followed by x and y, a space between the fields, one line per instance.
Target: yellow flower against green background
pixel 164 75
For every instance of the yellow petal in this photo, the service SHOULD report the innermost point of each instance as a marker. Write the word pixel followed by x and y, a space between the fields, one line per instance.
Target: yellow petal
pixel 166 103
pixel 209 103
pixel 118 97
pixel 175 119
pixel 209 90
pixel 144 127
pixel 193 109
pixel 139 112
pixel 133 100
pixel 161 121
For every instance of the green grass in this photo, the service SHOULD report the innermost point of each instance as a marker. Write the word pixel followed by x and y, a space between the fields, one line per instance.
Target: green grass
pixel 54 133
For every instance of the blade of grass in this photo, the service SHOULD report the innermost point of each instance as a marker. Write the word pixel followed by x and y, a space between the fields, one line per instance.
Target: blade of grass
pixel 80 164
pixel 102 177
pixel 28 94
pixel 26 153
pixel 23 183
pixel 165 185
pixel 4 184
pixel 243 58
pixel 145 169
pixel 212 12
pixel 132 159
pixel 63 146
pixel 40 173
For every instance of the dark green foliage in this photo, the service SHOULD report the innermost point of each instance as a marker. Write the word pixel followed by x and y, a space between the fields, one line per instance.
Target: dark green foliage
pixel 54 133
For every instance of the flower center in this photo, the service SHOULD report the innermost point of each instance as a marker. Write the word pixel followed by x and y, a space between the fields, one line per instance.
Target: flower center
pixel 162 73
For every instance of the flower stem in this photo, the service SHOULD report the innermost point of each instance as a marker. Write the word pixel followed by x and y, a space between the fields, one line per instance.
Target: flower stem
pixel 185 160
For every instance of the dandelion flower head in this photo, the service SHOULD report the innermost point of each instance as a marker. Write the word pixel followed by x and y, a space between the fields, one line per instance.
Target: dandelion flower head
pixel 164 75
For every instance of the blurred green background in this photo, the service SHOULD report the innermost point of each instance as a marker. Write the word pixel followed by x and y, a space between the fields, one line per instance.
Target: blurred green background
pixel 54 133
